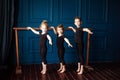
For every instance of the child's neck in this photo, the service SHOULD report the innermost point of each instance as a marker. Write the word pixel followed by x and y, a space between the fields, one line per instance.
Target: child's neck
pixel 78 26
pixel 60 34
pixel 43 32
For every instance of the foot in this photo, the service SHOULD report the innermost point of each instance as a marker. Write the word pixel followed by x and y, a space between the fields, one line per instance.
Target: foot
pixel 81 70
pixel 59 70
pixel 61 66
pixel 44 72
pixel 78 67
pixel 42 67
pixel 63 70
pixel 78 70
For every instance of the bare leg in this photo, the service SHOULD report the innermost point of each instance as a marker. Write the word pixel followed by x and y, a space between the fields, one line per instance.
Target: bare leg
pixel 78 67
pixel 81 70
pixel 61 66
pixel 44 69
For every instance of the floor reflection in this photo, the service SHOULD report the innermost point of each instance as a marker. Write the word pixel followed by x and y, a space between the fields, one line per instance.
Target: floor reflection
pixel 62 76
pixel 44 76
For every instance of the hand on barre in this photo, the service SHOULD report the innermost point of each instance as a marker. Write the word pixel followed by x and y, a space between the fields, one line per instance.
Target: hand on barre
pixel 28 28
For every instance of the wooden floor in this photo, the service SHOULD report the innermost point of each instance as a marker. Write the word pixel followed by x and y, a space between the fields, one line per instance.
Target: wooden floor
pixel 99 72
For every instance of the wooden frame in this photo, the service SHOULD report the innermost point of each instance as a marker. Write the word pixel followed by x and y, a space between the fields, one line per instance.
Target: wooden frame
pixel 18 67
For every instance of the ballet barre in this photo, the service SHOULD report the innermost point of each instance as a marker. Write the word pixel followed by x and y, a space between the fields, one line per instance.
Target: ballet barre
pixel 18 66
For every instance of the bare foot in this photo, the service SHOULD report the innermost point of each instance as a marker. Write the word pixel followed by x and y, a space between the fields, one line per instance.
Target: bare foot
pixel 44 72
pixel 78 70
pixel 63 70
pixel 81 70
pixel 41 71
pixel 59 70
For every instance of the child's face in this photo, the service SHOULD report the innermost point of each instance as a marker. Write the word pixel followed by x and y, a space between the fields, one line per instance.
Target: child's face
pixel 44 28
pixel 77 22
pixel 59 30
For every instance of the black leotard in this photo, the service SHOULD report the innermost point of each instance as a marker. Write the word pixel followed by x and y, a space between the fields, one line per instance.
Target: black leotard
pixel 79 44
pixel 79 35
pixel 43 47
pixel 61 49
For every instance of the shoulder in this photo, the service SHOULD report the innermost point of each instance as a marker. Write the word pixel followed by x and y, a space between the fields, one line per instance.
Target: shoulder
pixel 85 29
pixel 64 36
pixel 79 29
pixel 39 33
pixel 47 34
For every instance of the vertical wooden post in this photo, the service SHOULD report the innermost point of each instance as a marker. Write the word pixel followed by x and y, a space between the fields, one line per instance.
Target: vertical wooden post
pixel 18 67
pixel 88 49
pixel 87 53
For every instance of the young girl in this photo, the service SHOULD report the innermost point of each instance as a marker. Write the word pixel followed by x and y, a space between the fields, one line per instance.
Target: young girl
pixel 79 42
pixel 60 45
pixel 43 39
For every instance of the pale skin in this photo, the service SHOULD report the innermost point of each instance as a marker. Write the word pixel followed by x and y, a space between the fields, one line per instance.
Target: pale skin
pixel 44 30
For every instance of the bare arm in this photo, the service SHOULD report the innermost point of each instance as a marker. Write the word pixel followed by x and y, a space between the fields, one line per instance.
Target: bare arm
pixel 50 39
pixel 34 31
pixel 87 30
pixel 68 42
pixel 54 29
pixel 70 27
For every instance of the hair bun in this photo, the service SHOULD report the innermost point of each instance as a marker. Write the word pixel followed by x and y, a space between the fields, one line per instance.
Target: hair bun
pixel 44 21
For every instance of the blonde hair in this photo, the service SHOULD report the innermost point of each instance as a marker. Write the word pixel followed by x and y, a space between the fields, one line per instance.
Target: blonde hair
pixel 44 22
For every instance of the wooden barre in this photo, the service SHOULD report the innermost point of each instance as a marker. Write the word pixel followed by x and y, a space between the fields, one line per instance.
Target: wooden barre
pixel 15 28
pixel 18 67
pixel 24 28
pixel 37 29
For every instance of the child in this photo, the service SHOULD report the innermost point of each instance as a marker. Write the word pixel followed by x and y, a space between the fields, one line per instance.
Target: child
pixel 79 42
pixel 60 45
pixel 43 39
